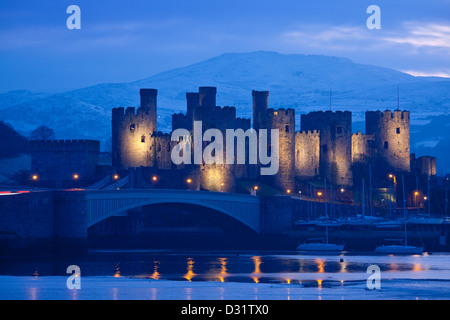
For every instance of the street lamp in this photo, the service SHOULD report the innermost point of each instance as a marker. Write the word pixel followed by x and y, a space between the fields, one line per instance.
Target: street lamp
pixel 116 176
pixel 34 177
pixel 75 176
pixel 189 181
pixel 155 178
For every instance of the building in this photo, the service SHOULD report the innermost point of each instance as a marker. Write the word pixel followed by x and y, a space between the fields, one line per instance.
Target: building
pixel 64 163
pixel 325 148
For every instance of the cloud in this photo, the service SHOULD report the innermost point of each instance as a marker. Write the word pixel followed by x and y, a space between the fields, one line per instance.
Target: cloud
pixel 423 35
pixel 415 34
pixel 340 38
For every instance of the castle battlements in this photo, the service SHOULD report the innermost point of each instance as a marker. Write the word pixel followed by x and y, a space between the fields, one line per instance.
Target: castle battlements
pixel 131 112
pixel 65 145
pixel 325 147
pixel 308 133
pixel 388 114
pixel 160 134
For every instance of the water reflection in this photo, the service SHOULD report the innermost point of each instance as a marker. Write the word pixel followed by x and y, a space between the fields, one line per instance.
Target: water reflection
pixel 190 269
pixel 223 269
pixel 117 271
pixel 320 265
pixel 32 293
pixel 256 274
pixel 288 269
pixel 155 275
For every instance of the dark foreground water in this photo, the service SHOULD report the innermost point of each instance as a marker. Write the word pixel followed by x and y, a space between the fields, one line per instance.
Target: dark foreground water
pixel 147 274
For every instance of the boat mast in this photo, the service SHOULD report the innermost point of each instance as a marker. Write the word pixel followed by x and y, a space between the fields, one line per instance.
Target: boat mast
pixel 404 210
pixel 417 195
pixel 326 200
pixel 404 199
pixel 362 200
pixel 370 192
pixel 429 199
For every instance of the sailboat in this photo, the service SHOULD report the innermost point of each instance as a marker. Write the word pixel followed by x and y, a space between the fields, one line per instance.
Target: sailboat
pixel 321 246
pixel 400 248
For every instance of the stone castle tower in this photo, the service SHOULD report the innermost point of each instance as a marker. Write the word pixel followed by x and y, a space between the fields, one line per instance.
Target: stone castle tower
pixel 284 121
pixel 131 132
pixel 335 132
pixel 391 136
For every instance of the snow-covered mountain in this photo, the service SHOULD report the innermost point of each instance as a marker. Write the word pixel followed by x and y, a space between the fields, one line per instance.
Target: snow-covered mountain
pixel 303 82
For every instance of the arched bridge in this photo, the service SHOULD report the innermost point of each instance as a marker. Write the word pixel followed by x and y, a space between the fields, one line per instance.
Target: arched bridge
pixel 101 204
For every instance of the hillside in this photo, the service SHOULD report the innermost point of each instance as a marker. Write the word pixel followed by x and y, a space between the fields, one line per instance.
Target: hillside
pixel 298 81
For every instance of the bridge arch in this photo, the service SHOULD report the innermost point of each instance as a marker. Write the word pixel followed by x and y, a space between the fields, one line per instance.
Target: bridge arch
pixel 104 204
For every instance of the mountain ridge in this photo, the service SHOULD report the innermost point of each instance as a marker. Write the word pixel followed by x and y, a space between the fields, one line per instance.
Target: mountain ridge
pixel 298 81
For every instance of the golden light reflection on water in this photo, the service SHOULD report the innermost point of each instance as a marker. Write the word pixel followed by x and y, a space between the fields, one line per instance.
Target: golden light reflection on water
pixel 223 269
pixel 319 283
pixel 320 265
pixel 189 269
pixel 417 267
pixel 117 271
pixel 155 275
pixel 257 270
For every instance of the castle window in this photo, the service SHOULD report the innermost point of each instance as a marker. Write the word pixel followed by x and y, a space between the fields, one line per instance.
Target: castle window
pixel 338 130
pixel 286 129
pixel 398 130
pixel 275 113
pixel 143 139
pixel 132 127
pixel 386 145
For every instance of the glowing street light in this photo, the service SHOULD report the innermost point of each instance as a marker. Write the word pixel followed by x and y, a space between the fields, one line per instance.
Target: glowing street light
pixel 342 190
pixel 75 176
pixel 255 188
pixel 155 178
pixel 288 191
pixel 34 177
pixel 189 180
pixel 319 193
pixel 116 176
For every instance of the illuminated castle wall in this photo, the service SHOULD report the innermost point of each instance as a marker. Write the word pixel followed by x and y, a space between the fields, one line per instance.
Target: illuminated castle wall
pixel 324 148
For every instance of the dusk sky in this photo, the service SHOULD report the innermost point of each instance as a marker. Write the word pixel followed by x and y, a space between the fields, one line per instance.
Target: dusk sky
pixel 123 41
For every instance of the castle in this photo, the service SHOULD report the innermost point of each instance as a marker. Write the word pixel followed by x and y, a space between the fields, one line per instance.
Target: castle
pixel 325 148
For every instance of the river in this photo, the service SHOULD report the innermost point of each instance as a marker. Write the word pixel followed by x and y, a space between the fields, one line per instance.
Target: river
pixel 237 275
